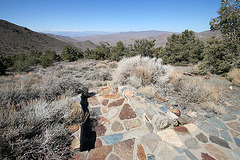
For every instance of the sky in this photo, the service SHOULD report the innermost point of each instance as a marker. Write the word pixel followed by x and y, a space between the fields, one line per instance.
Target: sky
pixel 110 15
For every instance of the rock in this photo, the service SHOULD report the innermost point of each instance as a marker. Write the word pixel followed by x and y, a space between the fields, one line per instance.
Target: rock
pixel 201 137
pixel 217 153
pixel 161 124
pixel 150 112
pixel 103 120
pixel 179 158
pixel 136 133
pixel 207 128
pixel 100 130
pixel 234 133
pixel 150 141
pixel 95 111
pixel 234 125
pixel 191 127
pixel 151 157
pixel 182 107
pixel 219 141
pixel 192 143
pixel 172 115
pixel 205 156
pixel 237 112
pixel 93 101
pixel 127 112
pixel 134 123
pixel 100 152
pixel 181 129
pixel 182 120
pixel 141 153
pixel 164 150
pixel 192 114
pixel 176 112
pixel 140 112
pixel 105 102
pixel 171 137
pixel 206 77
pixel 150 127
pixel 74 128
pixel 224 134
pixel 190 155
pixel 112 112
pixel 235 155
pixel 128 93
pixel 160 98
pixel 98 143
pixel 125 149
pixel 75 143
pixel 217 123
pixel 114 138
pixel 104 109
pixel 113 157
pixel 116 103
pixel 237 141
pixel 112 96
pixel 227 117
pixel 164 109
pixel 117 126
pixel 80 156
pixel 179 150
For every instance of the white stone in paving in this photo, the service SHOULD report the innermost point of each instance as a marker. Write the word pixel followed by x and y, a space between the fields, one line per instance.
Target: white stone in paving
pixel 112 112
pixel 137 133
pixel 191 127
pixel 172 115
pixel 168 135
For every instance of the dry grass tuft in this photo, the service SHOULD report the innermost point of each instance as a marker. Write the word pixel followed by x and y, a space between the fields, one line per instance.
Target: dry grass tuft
pixel 148 91
pixel 210 105
pixel 235 76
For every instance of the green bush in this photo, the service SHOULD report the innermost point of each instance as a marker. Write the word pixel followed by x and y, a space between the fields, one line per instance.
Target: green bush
pixel 2 66
pixel 71 54
pixel 49 58
pixel 182 49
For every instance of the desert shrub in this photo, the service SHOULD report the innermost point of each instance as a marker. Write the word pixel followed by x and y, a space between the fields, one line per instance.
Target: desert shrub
pixel 2 66
pixel 212 106
pixel 49 58
pixel 140 71
pixel 235 76
pixel 148 91
pixel 37 131
pixel 71 54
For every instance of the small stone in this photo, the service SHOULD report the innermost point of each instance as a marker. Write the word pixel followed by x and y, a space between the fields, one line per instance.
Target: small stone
pixel 113 157
pixel 150 127
pixel 103 120
pixel 93 101
pixel 190 155
pixel 179 158
pixel 117 126
pixel 206 77
pixel 201 137
pixel 205 156
pixel 192 143
pixel 217 123
pixel 219 141
pixel 98 143
pixel 172 115
pixel 217 153
pixel 127 112
pixel 104 109
pixel 237 141
pixel 164 109
pixel 182 121
pixel 128 93
pixel 237 112
pixel 140 112
pixel 227 117
pixel 192 114
pixel 207 128
pixel 75 143
pixel 234 133
pixel 148 100
pixel 182 107
pixel 140 152
pixel 171 137
pixel 100 130
pixel 125 149
pixel 105 102
pixel 112 112
pixel 136 133
pixel 176 112
pixel 111 139
pixel 150 141
pixel 179 150
pixel 74 128
pixel 161 123
pixel 134 123
pixel 234 125
pixel 112 96
pixel 181 129
pixel 160 98
pixel 191 127
pixel 116 103
pixel 100 152
pixel 150 112
pixel 151 157
pixel 224 134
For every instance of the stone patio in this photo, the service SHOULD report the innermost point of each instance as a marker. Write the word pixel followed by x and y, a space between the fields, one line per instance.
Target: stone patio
pixel 128 126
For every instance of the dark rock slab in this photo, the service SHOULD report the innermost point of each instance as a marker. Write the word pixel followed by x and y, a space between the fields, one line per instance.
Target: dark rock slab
pixel 111 139
pixel 192 143
pixel 217 123
pixel 181 129
pixel 190 155
pixel 205 156
pixel 116 103
pixel 117 126
pixel 127 112
pixel 100 152
pixel 227 117
pixel 125 149
pixel 224 134
pixel 237 141
pixel 219 141
pixel 207 128
pixel 201 137
pixel 141 153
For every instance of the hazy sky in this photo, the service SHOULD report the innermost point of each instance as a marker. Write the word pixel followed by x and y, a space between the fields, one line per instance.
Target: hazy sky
pixel 110 15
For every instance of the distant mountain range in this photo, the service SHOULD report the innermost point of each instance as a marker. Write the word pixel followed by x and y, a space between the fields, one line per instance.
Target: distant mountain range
pixel 76 33
pixel 17 39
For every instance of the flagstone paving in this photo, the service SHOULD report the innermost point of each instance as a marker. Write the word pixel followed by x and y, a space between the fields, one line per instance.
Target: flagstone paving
pixel 132 127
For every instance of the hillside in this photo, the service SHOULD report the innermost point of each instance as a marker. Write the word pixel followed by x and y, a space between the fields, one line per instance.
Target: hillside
pixel 17 39
pixel 126 37
pixel 85 44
